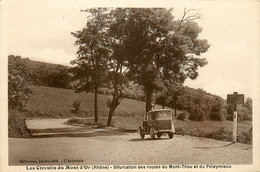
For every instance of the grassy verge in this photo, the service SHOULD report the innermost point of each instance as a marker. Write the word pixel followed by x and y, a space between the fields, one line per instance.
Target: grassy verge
pixel 219 130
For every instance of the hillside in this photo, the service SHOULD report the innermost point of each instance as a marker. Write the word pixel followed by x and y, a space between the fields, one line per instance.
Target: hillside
pixel 49 100
pixel 36 64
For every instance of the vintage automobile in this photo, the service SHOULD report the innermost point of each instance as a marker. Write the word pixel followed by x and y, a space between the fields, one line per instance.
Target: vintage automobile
pixel 157 122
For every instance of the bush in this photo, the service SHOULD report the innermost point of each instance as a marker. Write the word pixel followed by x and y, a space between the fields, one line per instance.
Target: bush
pixel 243 113
pixel 246 137
pixel 84 122
pixel 183 116
pixel 217 112
pixel 76 104
pixel 222 134
pixel 197 114
pixel 17 126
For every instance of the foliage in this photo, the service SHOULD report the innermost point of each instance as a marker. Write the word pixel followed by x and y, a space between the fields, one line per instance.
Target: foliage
pixel 59 77
pixel 146 45
pixel 133 91
pixel 52 77
pixel 246 137
pixel 89 67
pixel 248 105
pixel 243 113
pixel 19 83
pixel 197 113
pixel 200 104
pixel 217 112
pixel 157 48
pixel 17 125
pixel 183 116
pixel 222 134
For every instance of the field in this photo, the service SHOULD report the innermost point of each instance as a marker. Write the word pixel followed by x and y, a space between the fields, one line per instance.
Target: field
pixel 47 102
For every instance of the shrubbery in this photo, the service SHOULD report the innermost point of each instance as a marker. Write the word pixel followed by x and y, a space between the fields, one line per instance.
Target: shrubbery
pixel 17 125
pixel 243 113
pixel 221 134
pixel 19 83
pixel 197 114
pixel 76 104
pixel 217 112
pixel 183 116
pixel 246 137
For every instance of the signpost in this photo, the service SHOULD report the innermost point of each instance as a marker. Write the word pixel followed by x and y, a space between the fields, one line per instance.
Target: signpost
pixel 235 99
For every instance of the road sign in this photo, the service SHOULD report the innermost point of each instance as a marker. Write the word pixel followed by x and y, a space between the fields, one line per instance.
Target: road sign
pixel 235 98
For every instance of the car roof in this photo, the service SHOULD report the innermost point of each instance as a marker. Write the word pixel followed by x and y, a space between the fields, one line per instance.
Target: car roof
pixel 156 110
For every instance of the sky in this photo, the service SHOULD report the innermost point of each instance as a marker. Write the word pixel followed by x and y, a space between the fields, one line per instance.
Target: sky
pixel 41 30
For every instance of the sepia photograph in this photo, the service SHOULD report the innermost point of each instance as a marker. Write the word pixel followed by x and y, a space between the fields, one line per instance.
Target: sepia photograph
pixel 129 86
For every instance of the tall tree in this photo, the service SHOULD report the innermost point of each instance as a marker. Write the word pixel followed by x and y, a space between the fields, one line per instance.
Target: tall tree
pixel 116 65
pixel 158 48
pixel 93 51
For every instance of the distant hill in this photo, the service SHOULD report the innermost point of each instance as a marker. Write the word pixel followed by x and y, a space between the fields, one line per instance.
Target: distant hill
pixel 35 64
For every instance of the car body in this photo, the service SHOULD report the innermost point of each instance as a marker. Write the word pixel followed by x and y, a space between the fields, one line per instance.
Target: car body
pixel 157 122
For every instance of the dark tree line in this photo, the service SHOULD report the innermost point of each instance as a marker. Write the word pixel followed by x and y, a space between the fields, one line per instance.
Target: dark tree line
pixel 201 105
pixel 58 76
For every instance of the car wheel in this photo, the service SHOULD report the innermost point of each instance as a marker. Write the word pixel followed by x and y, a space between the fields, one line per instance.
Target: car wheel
pixel 151 133
pixel 170 135
pixel 159 135
pixel 142 134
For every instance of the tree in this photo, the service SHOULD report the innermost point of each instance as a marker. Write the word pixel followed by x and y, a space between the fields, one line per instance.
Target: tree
pixel 40 75
pixel 52 77
pixel 217 111
pixel 59 77
pixel 248 105
pixel 169 96
pixel 92 54
pixel 19 83
pixel 112 66
pixel 157 48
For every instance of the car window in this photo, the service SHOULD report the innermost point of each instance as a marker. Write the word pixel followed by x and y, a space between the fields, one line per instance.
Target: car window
pixel 163 114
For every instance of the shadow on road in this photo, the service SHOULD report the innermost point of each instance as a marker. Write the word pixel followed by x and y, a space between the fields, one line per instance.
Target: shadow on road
pixel 76 134
pixel 148 139
pixel 211 147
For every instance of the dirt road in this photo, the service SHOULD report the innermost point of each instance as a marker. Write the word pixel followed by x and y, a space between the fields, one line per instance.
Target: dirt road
pixel 125 148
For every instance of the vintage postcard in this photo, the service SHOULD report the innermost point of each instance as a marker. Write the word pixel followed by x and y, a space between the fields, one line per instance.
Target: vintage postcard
pixel 130 85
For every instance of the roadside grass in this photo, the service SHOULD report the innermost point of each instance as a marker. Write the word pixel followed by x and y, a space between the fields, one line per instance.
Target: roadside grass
pixel 48 102
pixel 219 130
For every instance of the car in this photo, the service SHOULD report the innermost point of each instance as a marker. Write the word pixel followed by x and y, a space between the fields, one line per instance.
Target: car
pixel 157 122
